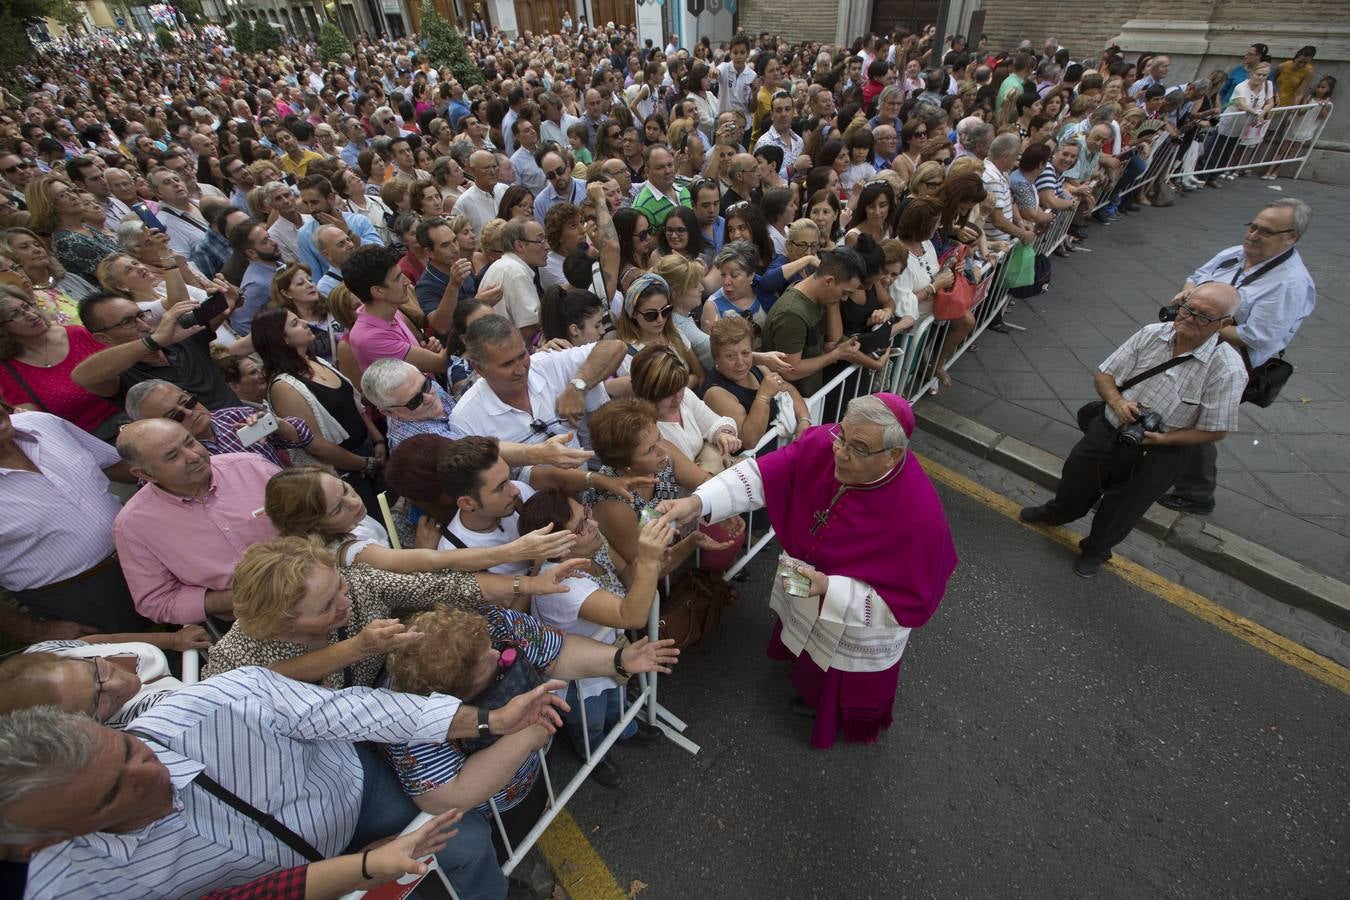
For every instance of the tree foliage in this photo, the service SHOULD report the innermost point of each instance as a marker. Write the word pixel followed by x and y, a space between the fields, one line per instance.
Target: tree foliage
pixel 15 15
pixel 265 36
pixel 164 37
pixel 332 43
pixel 445 46
pixel 242 36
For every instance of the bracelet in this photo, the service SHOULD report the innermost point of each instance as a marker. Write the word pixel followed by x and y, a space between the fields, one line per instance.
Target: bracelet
pixel 381 443
pixel 150 342
pixel 618 664
pixel 588 478
pixel 167 268
pixel 365 873
pixel 515 586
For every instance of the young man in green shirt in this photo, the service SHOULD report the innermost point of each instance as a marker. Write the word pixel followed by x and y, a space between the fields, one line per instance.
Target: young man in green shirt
pixel 793 326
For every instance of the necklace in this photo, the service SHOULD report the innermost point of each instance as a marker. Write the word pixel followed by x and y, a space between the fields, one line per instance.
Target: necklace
pixel 46 353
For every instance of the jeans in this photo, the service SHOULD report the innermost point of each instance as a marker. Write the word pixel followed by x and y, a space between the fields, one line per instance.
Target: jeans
pixel 469 860
pixel 602 714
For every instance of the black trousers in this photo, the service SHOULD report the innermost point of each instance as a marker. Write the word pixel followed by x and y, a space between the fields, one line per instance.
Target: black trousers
pixel 1126 480
pixel 1198 477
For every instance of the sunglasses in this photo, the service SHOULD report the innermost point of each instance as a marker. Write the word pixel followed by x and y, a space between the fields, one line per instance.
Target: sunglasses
pixel 644 234
pixel 555 173
pixel 10 170
pixel 184 405
pixel 543 428
pixel 651 315
pixel 427 387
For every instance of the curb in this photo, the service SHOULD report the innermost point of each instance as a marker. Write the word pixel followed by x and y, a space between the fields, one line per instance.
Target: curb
pixel 1254 565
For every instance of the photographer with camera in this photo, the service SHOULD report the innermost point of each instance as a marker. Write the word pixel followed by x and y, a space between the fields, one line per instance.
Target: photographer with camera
pixel 1172 387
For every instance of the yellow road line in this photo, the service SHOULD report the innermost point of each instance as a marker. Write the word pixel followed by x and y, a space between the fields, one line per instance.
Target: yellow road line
pixel 580 870
pixel 1286 651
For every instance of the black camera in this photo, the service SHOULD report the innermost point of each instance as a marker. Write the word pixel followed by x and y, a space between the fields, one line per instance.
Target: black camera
pixel 1168 313
pixel 1131 434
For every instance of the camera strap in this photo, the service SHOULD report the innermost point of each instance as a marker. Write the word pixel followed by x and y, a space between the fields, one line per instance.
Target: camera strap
pixel 1237 272
pixel 1156 370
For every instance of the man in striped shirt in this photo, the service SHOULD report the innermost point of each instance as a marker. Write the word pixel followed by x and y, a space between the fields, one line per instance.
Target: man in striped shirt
pixel 174 805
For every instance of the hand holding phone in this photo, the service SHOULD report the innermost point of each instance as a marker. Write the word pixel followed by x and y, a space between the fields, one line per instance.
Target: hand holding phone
pixel 261 426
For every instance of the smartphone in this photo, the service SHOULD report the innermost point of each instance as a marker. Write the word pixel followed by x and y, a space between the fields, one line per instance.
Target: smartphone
pixel 251 434
pixel 877 341
pixel 209 310
pixel 149 218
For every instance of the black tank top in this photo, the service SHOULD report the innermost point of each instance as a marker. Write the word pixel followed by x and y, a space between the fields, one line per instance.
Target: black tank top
pixel 341 405
pixel 744 395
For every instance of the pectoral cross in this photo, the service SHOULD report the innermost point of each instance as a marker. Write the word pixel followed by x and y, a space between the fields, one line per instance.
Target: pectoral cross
pixel 823 515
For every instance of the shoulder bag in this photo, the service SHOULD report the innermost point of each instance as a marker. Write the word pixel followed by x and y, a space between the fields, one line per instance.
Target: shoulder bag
pixel 1093 410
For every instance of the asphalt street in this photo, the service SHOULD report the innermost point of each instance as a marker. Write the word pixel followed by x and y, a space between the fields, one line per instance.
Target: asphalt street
pixel 1053 737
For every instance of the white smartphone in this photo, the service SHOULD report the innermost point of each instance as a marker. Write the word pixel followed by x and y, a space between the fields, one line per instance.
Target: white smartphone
pixel 251 434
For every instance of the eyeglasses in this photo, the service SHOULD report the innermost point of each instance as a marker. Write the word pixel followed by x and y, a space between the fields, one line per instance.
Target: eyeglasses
pixel 427 387
pixel 526 240
pixel 24 308
pixel 851 448
pixel 540 427
pixel 140 316
pixel 99 682
pixel 651 315
pixel 1263 231
pixel 184 405
pixel 737 207
pixel 1185 309
pixel 809 245
pixel 680 230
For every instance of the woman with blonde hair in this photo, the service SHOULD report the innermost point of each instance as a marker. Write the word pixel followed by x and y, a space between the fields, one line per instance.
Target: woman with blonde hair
pixel 397 195
pixel 301 614
pixel 687 281
pixel 258 204
pixel 55 208
pixel 927 178
pixel 293 289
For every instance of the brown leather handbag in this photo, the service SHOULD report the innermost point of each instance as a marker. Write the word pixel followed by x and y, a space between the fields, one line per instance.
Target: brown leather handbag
pixel 694 608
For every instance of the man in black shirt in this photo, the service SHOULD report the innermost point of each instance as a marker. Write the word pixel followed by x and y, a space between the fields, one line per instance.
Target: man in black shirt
pixel 137 352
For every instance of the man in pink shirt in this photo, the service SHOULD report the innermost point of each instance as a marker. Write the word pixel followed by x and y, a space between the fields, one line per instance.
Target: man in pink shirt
pixel 373 275
pixel 180 537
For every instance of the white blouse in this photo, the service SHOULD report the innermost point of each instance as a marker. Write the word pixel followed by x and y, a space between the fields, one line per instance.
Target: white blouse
pixel 918 274
pixel 698 423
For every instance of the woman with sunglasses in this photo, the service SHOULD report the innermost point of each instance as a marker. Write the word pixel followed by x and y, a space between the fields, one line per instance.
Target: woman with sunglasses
pixel 36 359
pixel 647 320
pixel 636 245
pixel 913 137
pixel 308 388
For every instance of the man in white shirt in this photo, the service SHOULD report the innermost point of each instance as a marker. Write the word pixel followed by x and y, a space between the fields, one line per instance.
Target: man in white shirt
pixel 181 219
pixel 473 473
pixel 526 250
pixel 781 135
pixel 530 399
pixel 286 229
pixel 554 122
pixel 479 201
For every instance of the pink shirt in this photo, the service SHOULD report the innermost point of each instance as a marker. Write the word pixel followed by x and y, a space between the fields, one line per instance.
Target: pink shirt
pixel 373 338
pixel 174 549
pixel 54 389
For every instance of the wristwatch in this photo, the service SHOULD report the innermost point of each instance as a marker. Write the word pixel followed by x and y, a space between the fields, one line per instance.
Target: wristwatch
pixel 483 730
pixel 579 384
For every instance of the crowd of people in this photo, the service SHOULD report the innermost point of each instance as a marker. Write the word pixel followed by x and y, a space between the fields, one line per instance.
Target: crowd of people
pixel 246 297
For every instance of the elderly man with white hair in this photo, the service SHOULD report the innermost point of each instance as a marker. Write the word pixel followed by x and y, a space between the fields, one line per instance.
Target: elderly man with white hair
pixel 1146 428
pixel 221 430
pixel 286 229
pixel 415 403
pixel 848 593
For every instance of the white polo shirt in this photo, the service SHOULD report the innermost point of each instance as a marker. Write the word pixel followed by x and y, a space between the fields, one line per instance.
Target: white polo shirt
pixel 478 205
pixel 520 299
pixel 480 411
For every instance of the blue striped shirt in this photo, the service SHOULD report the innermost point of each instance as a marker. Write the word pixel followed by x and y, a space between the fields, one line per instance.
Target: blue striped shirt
pixel 284 746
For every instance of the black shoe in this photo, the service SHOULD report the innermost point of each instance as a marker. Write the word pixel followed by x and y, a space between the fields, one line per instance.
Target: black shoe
pixel 1131 207
pixel 1078 232
pixel 1186 505
pixel 1033 514
pixel 1062 251
pixel 607 774
pixel 801 708
pixel 1087 566
pixel 1101 217
pixel 645 736
pixel 1000 328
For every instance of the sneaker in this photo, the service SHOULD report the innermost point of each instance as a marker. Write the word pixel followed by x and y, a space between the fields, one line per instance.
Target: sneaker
pixel 1087 566
pixel 1186 504
pixel 607 774
pixel 645 736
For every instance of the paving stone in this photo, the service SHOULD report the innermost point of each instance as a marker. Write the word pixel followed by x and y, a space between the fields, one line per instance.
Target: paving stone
pixel 1322 452
pixel 1305 493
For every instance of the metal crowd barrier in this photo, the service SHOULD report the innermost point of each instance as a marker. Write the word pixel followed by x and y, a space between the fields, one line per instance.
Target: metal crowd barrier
pixel 1277 145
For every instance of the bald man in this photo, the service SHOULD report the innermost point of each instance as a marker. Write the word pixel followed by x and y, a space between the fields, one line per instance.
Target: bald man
pixel 336 247
pixel 211 505
pixel 1126 457
pixel 479 202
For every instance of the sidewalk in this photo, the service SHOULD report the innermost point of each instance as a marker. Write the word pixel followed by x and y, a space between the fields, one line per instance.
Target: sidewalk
pixel 1284 475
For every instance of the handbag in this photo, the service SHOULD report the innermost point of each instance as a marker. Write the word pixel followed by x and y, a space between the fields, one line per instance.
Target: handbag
pixel 1021 266
pixel 1094 409
pixel 954 302
pixel 1040 281
pixel 694 608
pixel 1264 382
pixel 515 675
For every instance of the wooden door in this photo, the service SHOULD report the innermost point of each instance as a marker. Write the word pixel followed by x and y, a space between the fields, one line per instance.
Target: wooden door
pixel 621 12
pixel 907 15
pixel 538 17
